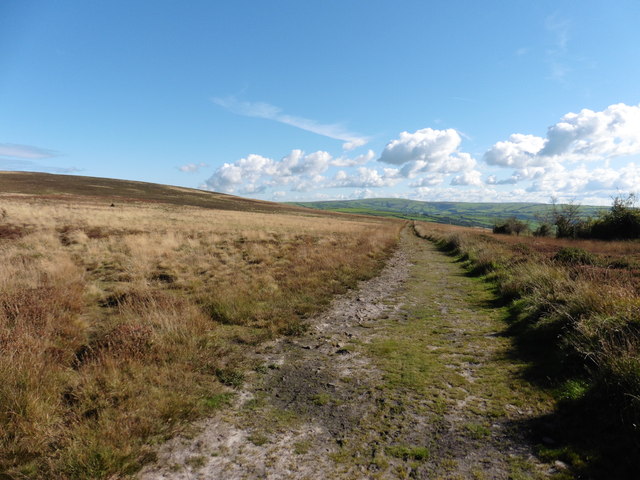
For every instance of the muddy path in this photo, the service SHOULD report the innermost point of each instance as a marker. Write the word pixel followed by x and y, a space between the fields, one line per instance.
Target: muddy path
pixel 406 377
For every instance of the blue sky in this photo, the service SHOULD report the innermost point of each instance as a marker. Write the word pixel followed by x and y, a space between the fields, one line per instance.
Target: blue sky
pixel 308 100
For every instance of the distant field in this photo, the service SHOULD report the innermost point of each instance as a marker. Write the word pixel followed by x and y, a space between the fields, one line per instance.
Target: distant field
pixel 121 324
pixel 454 213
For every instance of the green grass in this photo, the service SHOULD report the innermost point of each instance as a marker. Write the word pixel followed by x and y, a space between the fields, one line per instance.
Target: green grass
pixel 573 325
pixel 444 346
pixel 301 447
pixel 220 400
pixel 321 399
pixel 408 453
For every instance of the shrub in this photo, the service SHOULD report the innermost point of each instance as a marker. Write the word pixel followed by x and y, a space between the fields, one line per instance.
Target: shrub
pixel 544 230
pixel 621 222
pixel 511 226
pixel 574 256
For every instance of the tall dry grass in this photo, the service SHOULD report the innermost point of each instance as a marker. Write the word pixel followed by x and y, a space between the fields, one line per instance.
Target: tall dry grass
pixel 120 325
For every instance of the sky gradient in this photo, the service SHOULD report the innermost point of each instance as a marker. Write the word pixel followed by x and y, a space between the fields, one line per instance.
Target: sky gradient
pixel 314 100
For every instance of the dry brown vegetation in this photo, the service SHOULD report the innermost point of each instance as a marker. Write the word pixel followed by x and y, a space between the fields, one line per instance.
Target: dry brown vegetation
pixel 120 324
pixel 575 308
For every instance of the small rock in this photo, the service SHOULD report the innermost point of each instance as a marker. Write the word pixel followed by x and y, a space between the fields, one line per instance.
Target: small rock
pixel 560 465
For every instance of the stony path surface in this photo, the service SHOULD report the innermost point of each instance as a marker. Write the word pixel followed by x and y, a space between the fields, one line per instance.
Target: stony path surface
pixel 406 377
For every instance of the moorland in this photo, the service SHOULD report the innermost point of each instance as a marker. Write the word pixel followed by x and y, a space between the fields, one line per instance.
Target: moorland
pixel 128 311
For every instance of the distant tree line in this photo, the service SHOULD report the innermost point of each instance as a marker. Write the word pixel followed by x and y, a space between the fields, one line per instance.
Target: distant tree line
pixel 620 222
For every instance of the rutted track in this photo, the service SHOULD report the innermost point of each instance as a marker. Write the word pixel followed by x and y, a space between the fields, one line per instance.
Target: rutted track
pixel 323 406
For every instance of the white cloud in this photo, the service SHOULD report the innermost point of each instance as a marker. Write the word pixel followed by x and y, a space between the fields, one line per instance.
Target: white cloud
pixel 297 163
pixel 241 176
pixel 298 171
pixel 363 193
pixel 365 178
pixel 355 143
pixel 427 145
pixel 556 56
pixel 574 159
pixel 428 181
pixel 581 180
pixel 27 152
pixel 584 137
pixel 435 153
pixel 518 152
pixel 471 177
pixel 590 135
pixel 271 112
pixel 192 167
pixel 351 162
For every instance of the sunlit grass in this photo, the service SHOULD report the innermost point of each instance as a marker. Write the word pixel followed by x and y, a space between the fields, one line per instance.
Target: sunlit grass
pixel 118 325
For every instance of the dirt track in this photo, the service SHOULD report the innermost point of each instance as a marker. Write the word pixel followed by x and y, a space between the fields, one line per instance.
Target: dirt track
pixel 341 402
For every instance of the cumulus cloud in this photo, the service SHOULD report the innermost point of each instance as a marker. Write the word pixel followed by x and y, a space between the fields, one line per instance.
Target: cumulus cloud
pixel 242 176
pixel 428 145
pixel 363 193
pixel 428 181
pixel 584 136
pixel 435 153
pixel 351 162
pixel 581 180
pixel 365 178
pixel 26 152
pixel 297 171
pixel 587 136
pixel 192 167
pixel 573 160
pixel 297 163
pixel 518 152
pixel 270 112
pixel 472 177
pixel 590 135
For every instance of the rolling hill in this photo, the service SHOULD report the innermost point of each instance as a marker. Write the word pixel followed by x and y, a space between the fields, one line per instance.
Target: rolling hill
pixel 455 213
pixel 81 188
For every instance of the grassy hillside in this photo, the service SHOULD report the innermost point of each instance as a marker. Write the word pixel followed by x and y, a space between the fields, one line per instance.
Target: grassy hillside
pixel 121 325
pixel 454 213
pixel 83 189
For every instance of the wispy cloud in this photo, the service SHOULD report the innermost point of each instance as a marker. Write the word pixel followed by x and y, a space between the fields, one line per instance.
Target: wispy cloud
pixel 560 29
pixel 31 166
pixel 271 112
pixel 556 55
pixel 192 167
pixel 13 150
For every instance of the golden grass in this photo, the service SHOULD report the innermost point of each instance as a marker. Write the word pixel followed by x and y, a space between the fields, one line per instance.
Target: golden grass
pixel 120 325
